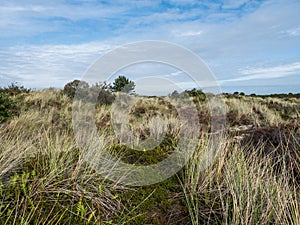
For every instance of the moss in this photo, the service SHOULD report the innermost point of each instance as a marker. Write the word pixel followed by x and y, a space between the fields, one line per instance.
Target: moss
pixel 132 156
pixel 155 204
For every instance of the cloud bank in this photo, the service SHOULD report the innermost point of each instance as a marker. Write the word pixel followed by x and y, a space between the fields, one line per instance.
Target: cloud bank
pixel 46 44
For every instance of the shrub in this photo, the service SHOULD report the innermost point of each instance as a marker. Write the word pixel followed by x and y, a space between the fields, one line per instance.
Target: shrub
pixel 278 142
pixel 123 84
pixel 198 95
pixel 71 87
pixel 7 107
pixel 103 91
pixel 14 89
pixel 99 92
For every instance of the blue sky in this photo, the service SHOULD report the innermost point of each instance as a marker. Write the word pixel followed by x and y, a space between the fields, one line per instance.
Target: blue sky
pixel 249 45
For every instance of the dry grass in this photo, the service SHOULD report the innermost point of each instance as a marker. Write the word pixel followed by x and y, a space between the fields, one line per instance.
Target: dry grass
pixel 45 179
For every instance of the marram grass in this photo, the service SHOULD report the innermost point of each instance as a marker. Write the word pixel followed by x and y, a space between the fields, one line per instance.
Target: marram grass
pixel 45 179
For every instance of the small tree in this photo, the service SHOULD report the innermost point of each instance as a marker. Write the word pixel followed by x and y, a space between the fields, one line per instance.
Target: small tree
pixel 71 87
pixel 123 84
pixel 195 93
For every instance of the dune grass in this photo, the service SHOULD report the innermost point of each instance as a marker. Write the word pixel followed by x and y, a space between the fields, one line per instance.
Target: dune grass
pixel 45 179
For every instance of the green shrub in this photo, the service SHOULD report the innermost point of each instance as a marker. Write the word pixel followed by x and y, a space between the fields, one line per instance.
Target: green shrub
pixel 7 107
pixel 71 87
pixel 14 89
pixel 123 84
pixel 104 93
pixel 99 92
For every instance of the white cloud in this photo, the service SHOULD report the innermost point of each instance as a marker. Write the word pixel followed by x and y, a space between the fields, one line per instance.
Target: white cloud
pixel 29 18
pixel 292 32
pixel 228 40
pixel 175 74
pixel 267 73
pixel 49 65
pixel 233 4
pixel 183 2
pixel 286 69
pixel 189 33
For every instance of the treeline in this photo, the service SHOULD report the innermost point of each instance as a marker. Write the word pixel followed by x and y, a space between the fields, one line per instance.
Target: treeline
pixel 103 94
pixel 281 95
pixel 14 89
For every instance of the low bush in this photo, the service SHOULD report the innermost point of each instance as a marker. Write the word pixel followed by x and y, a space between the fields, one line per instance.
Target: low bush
pixel 101 91
pixel 14 89
pixel 7 107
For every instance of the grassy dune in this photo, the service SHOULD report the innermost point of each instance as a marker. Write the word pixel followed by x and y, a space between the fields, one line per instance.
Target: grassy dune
pixel 254 180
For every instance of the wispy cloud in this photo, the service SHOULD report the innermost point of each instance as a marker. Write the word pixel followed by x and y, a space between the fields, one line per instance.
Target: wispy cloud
pixel 53 65
pixel 233 4
pixel 189 33
pixel 51 42
pixel 292 32
pixel 267 73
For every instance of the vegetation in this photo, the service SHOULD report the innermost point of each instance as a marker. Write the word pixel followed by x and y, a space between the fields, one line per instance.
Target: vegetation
pixel 71 87
pixel 44 178
pixel 123 84
pixel 10 97
pixel 6 107
pixel 100 91
pixel 14 89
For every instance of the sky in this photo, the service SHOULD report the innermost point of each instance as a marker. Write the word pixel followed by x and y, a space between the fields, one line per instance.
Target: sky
pixel 251 46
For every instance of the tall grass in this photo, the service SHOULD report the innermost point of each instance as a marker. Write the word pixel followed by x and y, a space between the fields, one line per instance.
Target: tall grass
pixel 240 189
pixel 45 178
